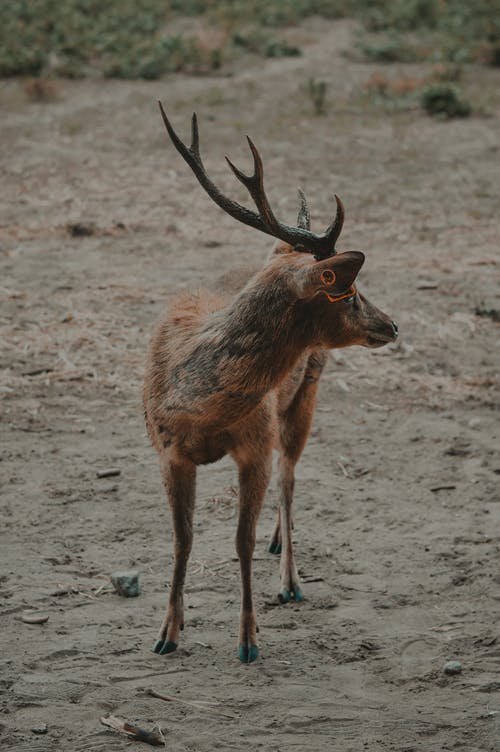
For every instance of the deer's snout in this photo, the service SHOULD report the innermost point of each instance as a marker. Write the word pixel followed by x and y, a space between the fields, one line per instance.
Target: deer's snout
pixel 381 330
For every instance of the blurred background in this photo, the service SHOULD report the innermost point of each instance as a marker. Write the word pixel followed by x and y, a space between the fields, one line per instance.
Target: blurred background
pixel 394 106
pixel 149 38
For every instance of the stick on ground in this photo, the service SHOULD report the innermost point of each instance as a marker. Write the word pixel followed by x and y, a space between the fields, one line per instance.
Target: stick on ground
pixel 154 738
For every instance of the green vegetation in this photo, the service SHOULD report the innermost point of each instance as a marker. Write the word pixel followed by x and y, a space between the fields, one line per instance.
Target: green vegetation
pixel 131 38
pixel 122 38
pixel 316 90
pixel 444 100
pixel 433 93
pixel 387 49
pixel 438 30
pixel 272 13
pixel 148 38
pixel 260 42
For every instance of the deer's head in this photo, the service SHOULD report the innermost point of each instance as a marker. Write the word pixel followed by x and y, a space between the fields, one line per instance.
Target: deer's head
pixel 321 280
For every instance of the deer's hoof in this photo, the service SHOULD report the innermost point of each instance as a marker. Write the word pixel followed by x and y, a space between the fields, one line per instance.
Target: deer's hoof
pixel 274 548
pixel 285 596
pixel 248 653
pixel 164 646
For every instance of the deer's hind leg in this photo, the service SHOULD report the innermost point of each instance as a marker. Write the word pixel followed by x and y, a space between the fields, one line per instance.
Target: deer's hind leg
pixel 295 425
pixel 179 478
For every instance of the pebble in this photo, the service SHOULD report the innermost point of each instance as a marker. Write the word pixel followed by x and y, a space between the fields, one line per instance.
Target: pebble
pixel 126 583
pixel 80 229
pixel 452 668
pixel 40 729
pixel 29 617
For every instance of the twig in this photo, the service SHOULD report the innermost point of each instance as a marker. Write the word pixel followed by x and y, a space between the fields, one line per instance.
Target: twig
pixel 427 286
pixel 172 698
pixel 119 678
pixel 103 589
pixel 38 371
pixel 28 429
pixel 342 384
pixel 154 738
pixel 198 704
pixel 343 468
pixel 375 406
pixel 108 473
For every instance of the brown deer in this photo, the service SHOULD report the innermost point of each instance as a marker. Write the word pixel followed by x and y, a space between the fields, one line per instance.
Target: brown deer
pixel 240 377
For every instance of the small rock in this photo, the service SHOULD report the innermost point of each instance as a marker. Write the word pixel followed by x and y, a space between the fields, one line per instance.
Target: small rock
pixel 40 729
pixel 81 229
pixel 452 668
pixel 126 583
pixel 30 617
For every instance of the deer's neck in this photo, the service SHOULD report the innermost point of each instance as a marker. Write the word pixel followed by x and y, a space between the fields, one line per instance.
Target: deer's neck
pixel 259 340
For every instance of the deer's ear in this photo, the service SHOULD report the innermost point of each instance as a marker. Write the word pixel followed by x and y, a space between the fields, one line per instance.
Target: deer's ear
pixel 333 275
pixel 345 266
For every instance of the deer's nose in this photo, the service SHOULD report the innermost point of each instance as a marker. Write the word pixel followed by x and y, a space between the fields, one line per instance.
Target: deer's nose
pixel 395 327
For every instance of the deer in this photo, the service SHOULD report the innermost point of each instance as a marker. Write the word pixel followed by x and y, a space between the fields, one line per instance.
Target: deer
pixel 239 376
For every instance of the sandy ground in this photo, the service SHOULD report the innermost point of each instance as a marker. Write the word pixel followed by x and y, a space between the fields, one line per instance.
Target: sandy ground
pixel 398 511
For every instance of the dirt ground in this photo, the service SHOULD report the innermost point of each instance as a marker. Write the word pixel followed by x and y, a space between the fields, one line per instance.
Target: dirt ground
pixel 397 505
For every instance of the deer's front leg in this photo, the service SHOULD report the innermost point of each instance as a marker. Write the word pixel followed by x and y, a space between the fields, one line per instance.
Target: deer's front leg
pixel 295 424
pixel 179 478
pixel 254 479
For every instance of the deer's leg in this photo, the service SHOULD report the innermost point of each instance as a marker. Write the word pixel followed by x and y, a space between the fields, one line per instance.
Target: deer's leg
pixel 295 425
pixel 254 479
pixel 290 581
pixel 179 478
pixel 275 540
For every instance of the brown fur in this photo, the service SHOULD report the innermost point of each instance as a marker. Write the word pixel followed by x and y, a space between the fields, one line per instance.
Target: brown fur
pixel 239 376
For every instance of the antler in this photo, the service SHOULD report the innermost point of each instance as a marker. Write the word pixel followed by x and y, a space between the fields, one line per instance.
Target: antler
pixel 304 218
pixel 300 237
